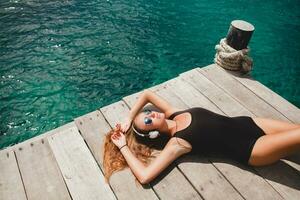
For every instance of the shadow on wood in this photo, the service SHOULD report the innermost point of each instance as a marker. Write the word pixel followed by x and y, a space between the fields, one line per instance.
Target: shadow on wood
pixel 280 177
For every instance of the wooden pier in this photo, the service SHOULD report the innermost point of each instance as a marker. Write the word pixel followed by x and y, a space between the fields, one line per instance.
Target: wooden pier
pixel 66 163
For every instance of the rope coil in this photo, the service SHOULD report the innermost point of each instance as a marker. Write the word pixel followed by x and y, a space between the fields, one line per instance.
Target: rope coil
pixel 231 59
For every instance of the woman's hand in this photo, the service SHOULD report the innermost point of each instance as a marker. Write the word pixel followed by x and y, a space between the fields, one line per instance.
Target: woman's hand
pixel 118 137
pixel 126 124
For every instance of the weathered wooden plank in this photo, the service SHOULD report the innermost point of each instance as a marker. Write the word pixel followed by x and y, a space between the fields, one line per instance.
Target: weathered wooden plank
pixel 184 92
pixel 11 185
pixel 80 171
pixel 280 170
pixel 93 128
pixel 169 180
pixel 171 184
pixel 166 185
pixel 240 93
pixel 215 94
pixel 233 171
pixel 164 92
pixel 206 179
pixel 283 178
pixel 286 108
pixel 44 135
pixel 40 173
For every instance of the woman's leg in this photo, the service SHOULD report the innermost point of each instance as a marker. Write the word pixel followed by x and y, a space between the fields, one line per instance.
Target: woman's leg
pixel 270 148
pixel 270 126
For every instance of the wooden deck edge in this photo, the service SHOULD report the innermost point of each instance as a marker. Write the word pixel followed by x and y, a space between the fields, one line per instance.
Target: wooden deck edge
pixel 41 136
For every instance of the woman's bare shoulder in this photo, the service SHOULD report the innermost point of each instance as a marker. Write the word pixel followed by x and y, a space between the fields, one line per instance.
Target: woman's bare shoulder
pixel 172 111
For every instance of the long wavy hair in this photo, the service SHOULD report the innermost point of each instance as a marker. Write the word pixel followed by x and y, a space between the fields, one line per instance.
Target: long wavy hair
pixel 144 149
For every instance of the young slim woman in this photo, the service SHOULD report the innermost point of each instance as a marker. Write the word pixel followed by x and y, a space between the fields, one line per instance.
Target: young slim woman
pixel 253 141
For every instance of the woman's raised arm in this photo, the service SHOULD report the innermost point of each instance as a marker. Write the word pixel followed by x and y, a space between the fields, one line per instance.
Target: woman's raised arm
pixel 146 97
pixel 143 173
pixel 139 104
pixel 156 100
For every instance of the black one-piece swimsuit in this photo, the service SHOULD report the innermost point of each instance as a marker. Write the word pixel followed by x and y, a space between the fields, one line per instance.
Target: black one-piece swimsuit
pixel 210 132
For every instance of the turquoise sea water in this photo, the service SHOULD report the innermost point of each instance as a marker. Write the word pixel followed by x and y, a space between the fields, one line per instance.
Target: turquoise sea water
pixel 62 59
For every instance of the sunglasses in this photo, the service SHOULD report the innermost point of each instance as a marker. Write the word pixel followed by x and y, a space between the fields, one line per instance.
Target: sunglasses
pixel 147 120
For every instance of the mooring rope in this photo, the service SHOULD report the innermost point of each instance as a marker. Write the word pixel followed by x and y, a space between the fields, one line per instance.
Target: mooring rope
pixel 231 59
